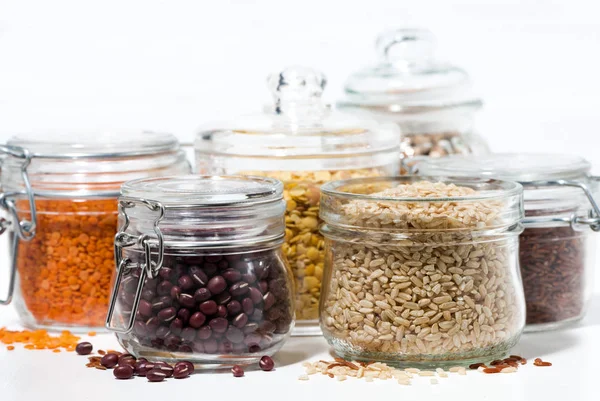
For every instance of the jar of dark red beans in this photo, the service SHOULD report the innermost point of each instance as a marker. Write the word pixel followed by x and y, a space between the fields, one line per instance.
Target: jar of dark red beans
pixel 201 275
pixel 557 248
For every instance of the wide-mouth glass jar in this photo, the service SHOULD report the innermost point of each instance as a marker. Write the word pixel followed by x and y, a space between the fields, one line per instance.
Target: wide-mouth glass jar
pixel 201 275
pixel 60 191
pixel 422 271
pixel 302 142
pixel 432 101
pixel 557 250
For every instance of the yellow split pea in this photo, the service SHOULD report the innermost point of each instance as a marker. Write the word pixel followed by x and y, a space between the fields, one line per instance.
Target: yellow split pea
pixel 304 246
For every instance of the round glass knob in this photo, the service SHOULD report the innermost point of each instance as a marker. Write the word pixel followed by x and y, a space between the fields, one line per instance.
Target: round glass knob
pixel 410 46
pixel 297 85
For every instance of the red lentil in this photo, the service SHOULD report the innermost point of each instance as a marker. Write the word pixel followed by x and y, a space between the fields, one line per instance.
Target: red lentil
pixel 39 339
pixel 66 269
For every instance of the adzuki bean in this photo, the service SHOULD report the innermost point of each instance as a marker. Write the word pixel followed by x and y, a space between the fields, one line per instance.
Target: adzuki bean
pixel 266 363
pixel 123 372
pixel 212 304
pixel 109 360
pixel 164 367
pixel 156 375
pixel 237 371
pixel 181 371
pixel 84 348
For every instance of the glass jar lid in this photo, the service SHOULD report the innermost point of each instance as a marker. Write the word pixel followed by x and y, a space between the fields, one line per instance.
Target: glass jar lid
pixel 298 125
pixel 557 188
pixel 193 211
pixel 198 191
pixel 408 77
pixel 521 167
pixel 89 163
pixel 399 203
pixel 87 144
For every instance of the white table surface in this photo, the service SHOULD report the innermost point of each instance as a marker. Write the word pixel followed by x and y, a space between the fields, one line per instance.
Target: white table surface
pixel 43 375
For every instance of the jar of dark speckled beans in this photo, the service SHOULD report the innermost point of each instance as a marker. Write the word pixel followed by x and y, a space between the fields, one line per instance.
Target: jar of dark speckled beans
pixel 557 249
pixel 201 275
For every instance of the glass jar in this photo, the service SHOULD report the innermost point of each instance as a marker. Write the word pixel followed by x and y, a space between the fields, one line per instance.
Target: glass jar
pixel 430 100
pixel 421 271
pixel 61 195
pixel 557 252
pixel 201 274
pixel 303 143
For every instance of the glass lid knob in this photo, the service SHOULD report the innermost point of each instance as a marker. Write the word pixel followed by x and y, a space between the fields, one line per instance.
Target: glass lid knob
pixel 296 87
pixel 406 46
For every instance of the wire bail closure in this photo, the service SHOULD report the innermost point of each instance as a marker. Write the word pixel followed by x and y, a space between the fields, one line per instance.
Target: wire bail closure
pixel 25 228
pixel 149 269
pixel 593 218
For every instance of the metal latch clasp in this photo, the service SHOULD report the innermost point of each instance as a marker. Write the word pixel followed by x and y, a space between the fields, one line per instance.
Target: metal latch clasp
pixel 148 269
pixel 24 229
pixel 593 218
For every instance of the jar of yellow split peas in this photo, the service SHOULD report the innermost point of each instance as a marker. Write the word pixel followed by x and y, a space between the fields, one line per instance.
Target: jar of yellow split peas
pixel 302 142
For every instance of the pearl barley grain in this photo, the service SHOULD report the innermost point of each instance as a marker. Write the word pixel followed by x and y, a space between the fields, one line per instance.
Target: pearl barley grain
pixel 442 291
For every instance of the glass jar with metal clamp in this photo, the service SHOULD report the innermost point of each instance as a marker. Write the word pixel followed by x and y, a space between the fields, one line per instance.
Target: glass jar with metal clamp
pixel 301 141
pixel 60 195
pixel 201 273
pixel 557 252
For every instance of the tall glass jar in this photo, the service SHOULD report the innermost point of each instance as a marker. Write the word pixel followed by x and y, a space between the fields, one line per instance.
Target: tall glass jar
pixel 422 271
pixel 61 195
pixel 201 275
pixel 430 100
pixel 303 143
pixel 557 250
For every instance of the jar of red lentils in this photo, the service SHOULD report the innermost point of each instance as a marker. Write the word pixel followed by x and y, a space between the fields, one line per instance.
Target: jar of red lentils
pixel 60 195
pixel 301 141
pixel 201 274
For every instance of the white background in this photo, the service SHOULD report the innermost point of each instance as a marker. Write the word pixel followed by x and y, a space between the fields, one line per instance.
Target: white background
pixel 173 65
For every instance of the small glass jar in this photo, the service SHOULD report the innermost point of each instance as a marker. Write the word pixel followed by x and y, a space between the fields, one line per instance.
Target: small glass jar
pixel 201 276
pixel 302 142
pixel 557 250
pixel 60 192
pixel 430 100
pixel 420 271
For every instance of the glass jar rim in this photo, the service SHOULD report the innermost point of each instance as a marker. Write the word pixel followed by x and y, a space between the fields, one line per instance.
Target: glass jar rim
pixel 205 190
pixel 88 166
pixel 90 144
pixel 501 189
pixel 520 167
pixel 488 207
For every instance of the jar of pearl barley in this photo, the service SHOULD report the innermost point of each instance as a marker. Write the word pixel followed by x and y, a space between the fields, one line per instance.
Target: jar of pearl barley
pixel 302 142
pixel 420 271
